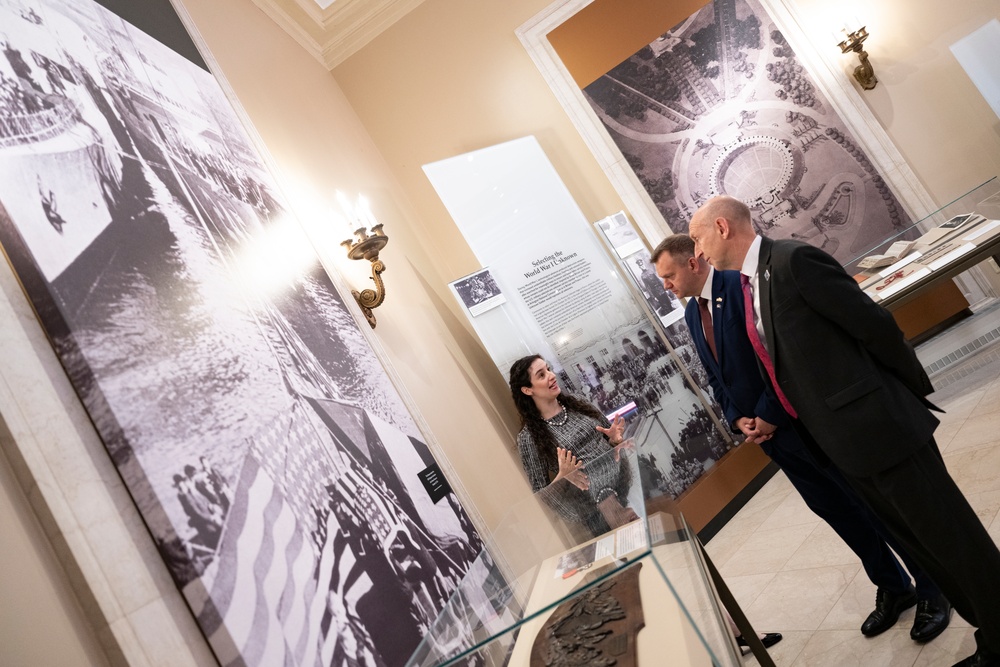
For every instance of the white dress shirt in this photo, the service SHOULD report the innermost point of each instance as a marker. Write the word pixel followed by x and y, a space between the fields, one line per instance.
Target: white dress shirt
pixel 706 291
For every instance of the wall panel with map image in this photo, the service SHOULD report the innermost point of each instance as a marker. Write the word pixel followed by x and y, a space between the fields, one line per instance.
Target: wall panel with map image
pixel 720 104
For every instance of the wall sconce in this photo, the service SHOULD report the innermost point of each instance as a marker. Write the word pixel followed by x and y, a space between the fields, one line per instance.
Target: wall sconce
pixel 366 245
pixel 854 41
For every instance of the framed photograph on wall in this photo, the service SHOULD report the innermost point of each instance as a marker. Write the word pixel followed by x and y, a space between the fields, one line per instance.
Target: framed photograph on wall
pixel 478 292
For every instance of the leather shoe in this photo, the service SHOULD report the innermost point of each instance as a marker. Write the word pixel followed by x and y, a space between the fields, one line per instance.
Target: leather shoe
pixel 979 659
pixel 888 607
pixel 769 640
pixel 932 618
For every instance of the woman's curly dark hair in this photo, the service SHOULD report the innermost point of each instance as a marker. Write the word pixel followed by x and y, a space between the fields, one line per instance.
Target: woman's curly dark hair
pixel 531 418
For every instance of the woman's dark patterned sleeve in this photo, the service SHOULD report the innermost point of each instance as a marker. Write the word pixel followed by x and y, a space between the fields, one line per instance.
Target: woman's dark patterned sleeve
pixel 564 498
pixel 538 477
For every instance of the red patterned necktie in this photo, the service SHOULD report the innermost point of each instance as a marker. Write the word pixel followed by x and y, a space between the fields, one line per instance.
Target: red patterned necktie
pixel 759 348
pixel 706 325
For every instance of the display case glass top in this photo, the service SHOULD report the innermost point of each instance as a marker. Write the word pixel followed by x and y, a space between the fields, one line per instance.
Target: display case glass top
pixel 982 199
pixel 579 574
pixel 951 240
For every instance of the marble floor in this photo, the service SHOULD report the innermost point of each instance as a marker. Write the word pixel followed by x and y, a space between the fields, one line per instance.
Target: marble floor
pixel 792 574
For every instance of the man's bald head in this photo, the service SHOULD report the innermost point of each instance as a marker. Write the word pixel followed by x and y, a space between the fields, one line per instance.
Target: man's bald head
pixel 722 231
pixel 730 208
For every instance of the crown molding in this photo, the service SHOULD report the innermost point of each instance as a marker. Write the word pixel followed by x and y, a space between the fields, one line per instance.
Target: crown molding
pixel 334 34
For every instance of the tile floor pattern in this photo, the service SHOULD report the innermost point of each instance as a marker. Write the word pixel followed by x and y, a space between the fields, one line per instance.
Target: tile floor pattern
pixel 791 574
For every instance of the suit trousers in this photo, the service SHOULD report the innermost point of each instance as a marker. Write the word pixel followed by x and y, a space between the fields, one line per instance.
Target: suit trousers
pixel 925 510
pixel 829 496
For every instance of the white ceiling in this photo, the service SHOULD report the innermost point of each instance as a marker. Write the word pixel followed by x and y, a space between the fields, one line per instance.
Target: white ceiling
pixel 332 30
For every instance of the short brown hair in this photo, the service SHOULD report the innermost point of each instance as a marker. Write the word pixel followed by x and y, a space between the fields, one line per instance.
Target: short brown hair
pixel 680 246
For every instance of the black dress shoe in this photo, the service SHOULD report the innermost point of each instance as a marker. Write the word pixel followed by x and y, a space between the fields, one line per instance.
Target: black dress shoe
pixel 979 659
pixel 769 640
pixel 932 618
pixel 888 607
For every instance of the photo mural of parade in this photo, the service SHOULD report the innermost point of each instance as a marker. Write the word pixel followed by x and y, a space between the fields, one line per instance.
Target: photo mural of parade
pixel 271 458
pixel 720 104
pixel 634 373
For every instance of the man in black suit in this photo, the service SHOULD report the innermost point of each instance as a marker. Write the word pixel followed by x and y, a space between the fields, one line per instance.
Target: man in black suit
pixel 715 315
pixel 843 371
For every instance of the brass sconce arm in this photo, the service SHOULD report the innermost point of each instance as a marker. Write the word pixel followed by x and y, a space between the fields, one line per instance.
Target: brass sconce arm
pixel 864 73
pixel 367 246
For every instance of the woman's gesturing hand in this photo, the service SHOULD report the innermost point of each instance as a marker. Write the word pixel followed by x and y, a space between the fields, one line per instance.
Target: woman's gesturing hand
pixel 615 432
pixel 570 468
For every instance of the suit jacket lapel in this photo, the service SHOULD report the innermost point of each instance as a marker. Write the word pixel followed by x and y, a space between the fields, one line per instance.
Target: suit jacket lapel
pixel 764 285
pixel 717 314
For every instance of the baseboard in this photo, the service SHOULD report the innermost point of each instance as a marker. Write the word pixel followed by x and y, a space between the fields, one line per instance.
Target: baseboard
pixel 712 528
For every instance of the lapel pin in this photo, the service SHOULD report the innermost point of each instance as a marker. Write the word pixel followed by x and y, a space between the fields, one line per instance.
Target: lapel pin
pixel 767 274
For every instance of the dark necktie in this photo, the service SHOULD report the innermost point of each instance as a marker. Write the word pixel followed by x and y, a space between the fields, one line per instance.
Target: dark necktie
pixel 759 348
pixel 706 325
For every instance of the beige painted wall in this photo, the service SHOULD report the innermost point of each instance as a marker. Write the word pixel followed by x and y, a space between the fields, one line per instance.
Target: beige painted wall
pixel 41 622
pixel 928 105
pixel 451 77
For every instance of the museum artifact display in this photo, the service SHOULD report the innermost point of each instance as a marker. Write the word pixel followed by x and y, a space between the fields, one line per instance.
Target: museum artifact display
pixel 952 239
pixel 638 594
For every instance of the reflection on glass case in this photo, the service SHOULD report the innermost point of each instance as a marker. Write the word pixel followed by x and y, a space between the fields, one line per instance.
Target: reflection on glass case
pixel 983 199
pixel 578 574
pixel 951 240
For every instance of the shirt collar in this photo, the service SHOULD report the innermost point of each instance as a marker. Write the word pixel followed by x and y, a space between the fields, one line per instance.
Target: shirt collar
pixel 706 291
pixel 752 259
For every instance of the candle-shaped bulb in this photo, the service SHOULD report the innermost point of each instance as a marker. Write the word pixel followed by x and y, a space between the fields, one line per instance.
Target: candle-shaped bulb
pixel 365 212
pixel 349 213
pixel 341 221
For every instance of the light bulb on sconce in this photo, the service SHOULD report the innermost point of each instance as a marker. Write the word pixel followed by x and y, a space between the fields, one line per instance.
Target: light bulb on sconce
pixel 853 40
pixel 368 240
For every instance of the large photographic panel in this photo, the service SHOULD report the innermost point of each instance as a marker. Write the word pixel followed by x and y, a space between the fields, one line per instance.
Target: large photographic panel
pixel 271 458
pixel 720 104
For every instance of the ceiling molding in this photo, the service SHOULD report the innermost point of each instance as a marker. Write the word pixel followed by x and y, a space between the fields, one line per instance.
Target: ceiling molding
pixel 334 34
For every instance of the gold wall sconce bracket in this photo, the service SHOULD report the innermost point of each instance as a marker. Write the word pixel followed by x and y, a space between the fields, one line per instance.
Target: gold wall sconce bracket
pixel 854 41
pixel 367 246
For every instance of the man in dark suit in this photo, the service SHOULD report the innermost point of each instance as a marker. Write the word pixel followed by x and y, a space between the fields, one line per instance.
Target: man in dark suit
pixel 716 317
pixel 856 392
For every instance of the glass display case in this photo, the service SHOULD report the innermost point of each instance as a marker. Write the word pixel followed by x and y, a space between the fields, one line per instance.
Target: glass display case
pixel 983 199
pixel 920 272
pixel 952 239
pixel 578 574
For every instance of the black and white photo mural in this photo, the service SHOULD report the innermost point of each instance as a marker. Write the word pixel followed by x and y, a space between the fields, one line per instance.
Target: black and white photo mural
pixel 720 104
pixel 270 456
